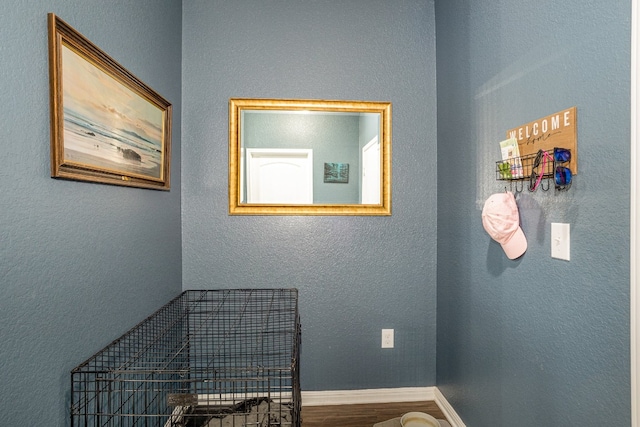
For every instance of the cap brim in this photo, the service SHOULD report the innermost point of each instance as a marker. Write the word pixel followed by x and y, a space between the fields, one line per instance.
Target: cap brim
pixel 516 246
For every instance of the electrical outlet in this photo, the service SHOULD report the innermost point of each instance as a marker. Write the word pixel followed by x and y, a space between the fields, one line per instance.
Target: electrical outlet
pixel 387 338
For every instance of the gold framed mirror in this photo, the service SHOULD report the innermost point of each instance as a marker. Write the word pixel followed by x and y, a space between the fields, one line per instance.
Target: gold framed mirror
pixel 309 157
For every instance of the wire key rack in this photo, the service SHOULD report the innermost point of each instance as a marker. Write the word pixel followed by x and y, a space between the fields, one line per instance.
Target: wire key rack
pixel 537 170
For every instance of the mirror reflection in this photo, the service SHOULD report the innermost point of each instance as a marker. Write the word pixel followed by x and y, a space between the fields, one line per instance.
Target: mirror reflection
pixel 309 157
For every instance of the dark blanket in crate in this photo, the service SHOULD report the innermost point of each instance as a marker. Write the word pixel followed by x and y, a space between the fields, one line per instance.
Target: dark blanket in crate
pixel 260 412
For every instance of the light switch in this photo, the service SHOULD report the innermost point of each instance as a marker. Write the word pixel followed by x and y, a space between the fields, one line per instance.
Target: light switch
pixel 560 241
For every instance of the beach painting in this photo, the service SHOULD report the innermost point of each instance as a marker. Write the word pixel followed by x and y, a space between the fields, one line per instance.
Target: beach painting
pixel 110 127
pixel 106 124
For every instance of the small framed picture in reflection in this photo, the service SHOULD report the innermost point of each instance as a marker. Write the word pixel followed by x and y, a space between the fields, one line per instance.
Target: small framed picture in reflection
pixel 336 173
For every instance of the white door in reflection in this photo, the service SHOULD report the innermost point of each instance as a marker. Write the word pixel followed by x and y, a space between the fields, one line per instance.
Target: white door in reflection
pixel 280 176
pixel 371 172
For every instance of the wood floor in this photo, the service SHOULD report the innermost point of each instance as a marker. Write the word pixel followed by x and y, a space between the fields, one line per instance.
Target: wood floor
pixel 363 415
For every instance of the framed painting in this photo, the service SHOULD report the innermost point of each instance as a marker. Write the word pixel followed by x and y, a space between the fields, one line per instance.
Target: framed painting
pixel 336 173
pixel 107 126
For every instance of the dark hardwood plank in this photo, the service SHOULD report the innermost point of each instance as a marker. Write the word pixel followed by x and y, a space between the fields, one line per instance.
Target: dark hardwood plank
pixel 363 415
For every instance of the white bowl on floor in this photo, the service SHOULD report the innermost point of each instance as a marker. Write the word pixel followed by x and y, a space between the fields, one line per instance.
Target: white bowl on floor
pixel 418 419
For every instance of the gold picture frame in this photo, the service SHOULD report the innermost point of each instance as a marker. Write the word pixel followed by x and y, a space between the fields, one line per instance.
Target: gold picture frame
pixel 107 126
pixel 240 203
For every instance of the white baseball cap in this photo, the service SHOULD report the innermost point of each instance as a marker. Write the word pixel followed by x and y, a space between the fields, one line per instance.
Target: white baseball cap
pixel 501 220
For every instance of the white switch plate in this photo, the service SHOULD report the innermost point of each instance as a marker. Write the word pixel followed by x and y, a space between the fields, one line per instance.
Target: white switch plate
pixel 560 241
pixel 387 338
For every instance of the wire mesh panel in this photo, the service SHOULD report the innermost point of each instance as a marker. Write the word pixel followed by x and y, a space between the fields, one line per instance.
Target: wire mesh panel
pixel 211 358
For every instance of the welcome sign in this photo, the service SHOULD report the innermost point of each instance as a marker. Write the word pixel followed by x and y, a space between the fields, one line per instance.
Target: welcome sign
pixel 556 130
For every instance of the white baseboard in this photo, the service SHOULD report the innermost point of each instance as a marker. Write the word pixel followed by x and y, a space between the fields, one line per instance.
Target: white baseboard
pixel 446 408
pixel 375 395
pixel 383 395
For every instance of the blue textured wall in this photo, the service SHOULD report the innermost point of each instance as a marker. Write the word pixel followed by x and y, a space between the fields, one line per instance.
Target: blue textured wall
pixel 356 275
pixel 537 341
pixel 520 343
pixel 79 263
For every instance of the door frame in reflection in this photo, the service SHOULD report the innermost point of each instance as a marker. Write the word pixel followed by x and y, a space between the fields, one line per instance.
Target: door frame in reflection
pixel 371 172
pixel 278 175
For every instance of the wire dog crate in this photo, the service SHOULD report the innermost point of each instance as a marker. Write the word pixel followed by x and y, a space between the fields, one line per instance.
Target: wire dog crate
pixel 210 358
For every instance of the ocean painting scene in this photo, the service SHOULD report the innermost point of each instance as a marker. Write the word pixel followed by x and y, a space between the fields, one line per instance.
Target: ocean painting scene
pixel 107 126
